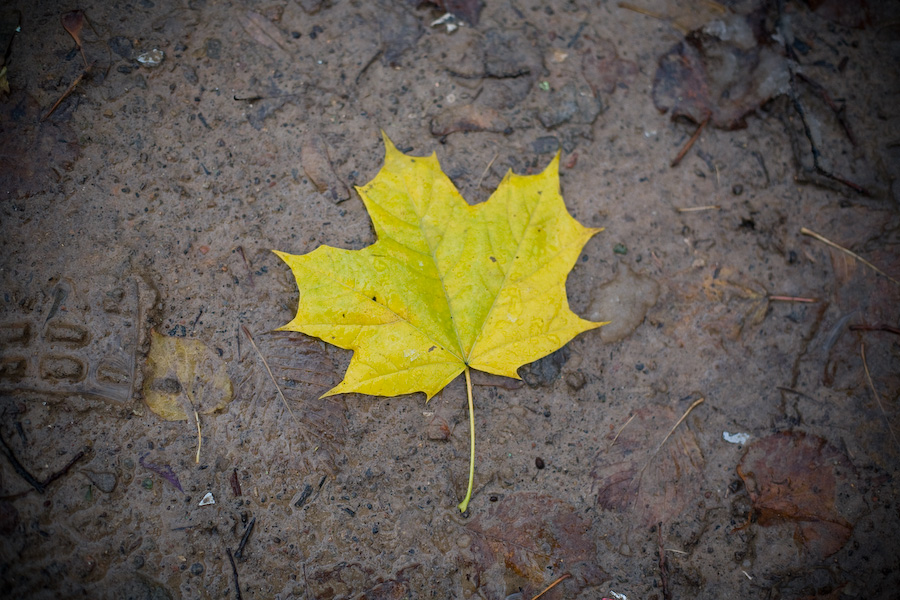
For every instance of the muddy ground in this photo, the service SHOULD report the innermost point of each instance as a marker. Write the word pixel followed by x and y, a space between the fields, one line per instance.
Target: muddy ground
pixel 731 434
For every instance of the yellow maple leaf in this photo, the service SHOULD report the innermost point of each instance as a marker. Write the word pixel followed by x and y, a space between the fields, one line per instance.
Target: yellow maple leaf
pixel 447 287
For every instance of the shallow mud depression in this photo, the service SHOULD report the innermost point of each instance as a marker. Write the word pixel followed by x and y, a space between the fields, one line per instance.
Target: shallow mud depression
pixel 731 433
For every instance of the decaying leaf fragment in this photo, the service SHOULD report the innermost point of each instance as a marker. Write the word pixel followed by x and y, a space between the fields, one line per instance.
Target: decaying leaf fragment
pixel 526 540
pixel 447 287
pixel 640 474
pixel 184 375
pixel 793 478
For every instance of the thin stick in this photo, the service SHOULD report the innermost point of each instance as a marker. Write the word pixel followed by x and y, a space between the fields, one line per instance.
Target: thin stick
pixel 199 436
pixel 791 299
pixel 65 469
pixel 559 580
pixel 678 422
pixel 237 585
pixel 268 370
pixel 245 537
pixel 64 96
pixel 20 469
pixel 465 503
pixel 825 240
pixel 690 142
pixel 698 208
pixel 879 327
pixel 862 353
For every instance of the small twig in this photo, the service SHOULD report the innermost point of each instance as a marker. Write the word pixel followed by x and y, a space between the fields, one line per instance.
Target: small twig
pixel 879 327
pixel 367 65
pixel 791 299
pixel 65 469
pixel 807 130
pixel 796 393
pixel 698 208
pixel 269 371
pixel 65 95
pixel 678 422
pixel 690 142
pixel 245 537
pixel 559 580
pixel 825 240
pixel 21 471
pixel 839 111
pixel 862 353
pixel 237 585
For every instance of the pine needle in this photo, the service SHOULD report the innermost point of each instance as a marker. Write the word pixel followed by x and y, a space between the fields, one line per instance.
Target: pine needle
pixel 862 353
pixel 269 371
pixel 678 422
pixel 559 580
pixel 825 240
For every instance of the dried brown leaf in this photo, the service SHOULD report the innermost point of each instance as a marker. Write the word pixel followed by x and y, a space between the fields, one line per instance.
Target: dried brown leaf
pixel 722 71
pixel 73 22
pixel 794 477
pixel 262 30
pixel 468 117
pixel 633 477
pixel 317 165
pixel 527 540
pixel 604 70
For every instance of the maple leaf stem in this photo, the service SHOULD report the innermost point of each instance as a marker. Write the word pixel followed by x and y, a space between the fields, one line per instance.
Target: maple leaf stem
pixel 465 503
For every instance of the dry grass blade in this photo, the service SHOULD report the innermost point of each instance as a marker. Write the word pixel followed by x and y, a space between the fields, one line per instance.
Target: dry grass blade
pixel 618 433
pixel 698 208
pixel 269 371
pixel 675 426
pixel 558 580
pixel 825 240
pixel 486 169
pixel 792 299
pixel 199 435
pixel 64 96
pixel 862 353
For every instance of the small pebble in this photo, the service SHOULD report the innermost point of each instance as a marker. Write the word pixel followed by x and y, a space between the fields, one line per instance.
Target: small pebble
pixel 539 462
pixel 196 569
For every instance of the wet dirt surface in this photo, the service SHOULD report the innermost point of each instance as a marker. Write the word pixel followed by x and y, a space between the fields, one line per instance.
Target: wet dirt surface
pixel 206 134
